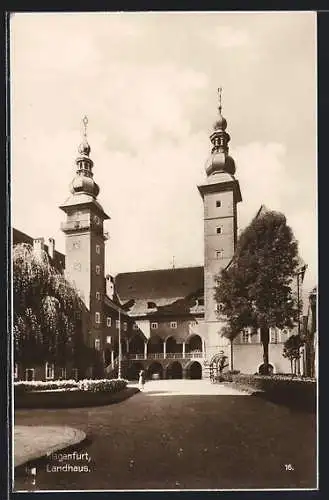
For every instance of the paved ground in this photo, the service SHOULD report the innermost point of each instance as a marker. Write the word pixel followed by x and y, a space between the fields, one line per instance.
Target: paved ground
pixel 32 442
pixel 173 437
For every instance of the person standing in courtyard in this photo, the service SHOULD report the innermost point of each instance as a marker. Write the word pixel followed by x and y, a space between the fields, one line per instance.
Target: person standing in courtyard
pixel 141 381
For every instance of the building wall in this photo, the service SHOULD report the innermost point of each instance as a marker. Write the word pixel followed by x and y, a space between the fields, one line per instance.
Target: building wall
pixel 248 358
pixel 217 217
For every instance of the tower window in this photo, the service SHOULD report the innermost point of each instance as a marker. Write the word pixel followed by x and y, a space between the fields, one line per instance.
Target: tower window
pixel 173 324
pixel 154 325
pixel 98 249
pixel 108 321
pixel 97 317
pixel 98 269
pixel 98 296
pixel 109 339
pixel 97 344
pixel 219 254
pixel 218 203
pixel 117 323
pixel 218 230
pixel 15 371
pixel 125 326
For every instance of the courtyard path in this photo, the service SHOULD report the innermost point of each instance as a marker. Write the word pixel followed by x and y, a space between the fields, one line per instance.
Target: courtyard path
pixel 181 435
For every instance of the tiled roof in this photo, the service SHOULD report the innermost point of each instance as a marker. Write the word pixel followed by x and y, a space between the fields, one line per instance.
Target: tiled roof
pixel 159 283
pixel 159 288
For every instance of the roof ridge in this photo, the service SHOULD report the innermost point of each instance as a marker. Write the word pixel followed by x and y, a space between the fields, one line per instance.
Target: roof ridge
pixel 161 269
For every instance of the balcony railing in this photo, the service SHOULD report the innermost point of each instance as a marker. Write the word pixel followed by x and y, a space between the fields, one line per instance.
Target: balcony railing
pixel 168 355
pixel 74 225
pixel 86 224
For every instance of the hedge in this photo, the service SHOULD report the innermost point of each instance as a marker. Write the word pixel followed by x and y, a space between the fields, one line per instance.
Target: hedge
pixel 84 393
pixel 296 392
pixel 104 385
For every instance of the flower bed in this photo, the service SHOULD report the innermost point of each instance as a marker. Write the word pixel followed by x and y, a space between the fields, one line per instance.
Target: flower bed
pixel 104 385
pixel 296 392
pixel 39 385
pixel 70 393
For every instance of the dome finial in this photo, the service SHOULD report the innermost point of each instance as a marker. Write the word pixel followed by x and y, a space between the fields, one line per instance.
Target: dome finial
pixel 85 123
pixel 84 147
pixel 220 90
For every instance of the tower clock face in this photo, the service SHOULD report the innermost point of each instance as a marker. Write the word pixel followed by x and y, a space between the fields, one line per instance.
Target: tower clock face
pixel 76 244
pixel 97 219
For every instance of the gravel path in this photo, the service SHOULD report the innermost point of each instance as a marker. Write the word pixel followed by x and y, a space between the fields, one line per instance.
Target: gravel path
pixel 176 435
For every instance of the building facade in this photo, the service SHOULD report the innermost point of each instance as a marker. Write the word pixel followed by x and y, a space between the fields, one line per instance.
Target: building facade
pixel 167 321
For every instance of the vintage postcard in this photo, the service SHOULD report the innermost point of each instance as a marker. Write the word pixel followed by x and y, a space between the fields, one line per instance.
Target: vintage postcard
pixel 164 251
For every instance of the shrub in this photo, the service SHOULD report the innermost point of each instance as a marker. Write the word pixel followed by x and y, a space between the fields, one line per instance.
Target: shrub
pixel 293 391
pixel 104 385
pixel 39 385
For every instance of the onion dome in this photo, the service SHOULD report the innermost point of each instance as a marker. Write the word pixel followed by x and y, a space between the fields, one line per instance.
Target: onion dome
pixel 83 182
pixel 84 148
pixel 219 160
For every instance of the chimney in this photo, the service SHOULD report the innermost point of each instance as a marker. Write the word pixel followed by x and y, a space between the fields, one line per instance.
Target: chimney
pixel 109 286
pixel 51 248
pixel 38 245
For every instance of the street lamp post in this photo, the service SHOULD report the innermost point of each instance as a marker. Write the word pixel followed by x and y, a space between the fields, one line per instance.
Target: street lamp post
pixel 300 278
pixel 120 350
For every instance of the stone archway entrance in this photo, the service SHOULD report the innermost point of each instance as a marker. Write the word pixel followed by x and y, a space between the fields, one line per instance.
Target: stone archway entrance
pixel 134 370
pixel 155 370
pixel 136 345
pixel 175 370
pixel 261 369
pixel 195 371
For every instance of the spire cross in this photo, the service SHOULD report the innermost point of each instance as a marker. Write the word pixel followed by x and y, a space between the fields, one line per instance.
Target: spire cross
pixel 85 123
pixel 219 90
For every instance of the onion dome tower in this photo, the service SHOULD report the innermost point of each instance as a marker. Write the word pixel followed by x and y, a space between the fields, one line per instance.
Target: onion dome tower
pixel 83 182
pixel 85 242
pixel 220 195
pixel 219 160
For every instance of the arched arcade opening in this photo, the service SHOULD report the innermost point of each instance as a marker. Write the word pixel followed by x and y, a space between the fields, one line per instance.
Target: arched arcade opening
pixel 194 344
pixel 136 345
pixel 155 370
pixel 175 370
pixel 134 369
pixel 195 371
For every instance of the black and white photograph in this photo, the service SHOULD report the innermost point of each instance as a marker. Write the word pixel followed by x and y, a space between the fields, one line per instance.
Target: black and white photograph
pixel 164 251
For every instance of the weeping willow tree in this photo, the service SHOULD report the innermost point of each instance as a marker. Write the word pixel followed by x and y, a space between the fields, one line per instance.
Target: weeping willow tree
pixel 47 310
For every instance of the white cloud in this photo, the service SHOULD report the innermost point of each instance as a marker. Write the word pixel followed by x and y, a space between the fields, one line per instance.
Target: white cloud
pixel 227 37
pixel 148 125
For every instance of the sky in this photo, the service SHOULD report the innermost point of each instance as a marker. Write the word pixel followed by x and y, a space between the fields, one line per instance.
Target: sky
pixel 148 84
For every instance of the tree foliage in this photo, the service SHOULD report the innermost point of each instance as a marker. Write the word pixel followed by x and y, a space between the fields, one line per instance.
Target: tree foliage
pixel 291 348
pixel 46 324
pixel 256 288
